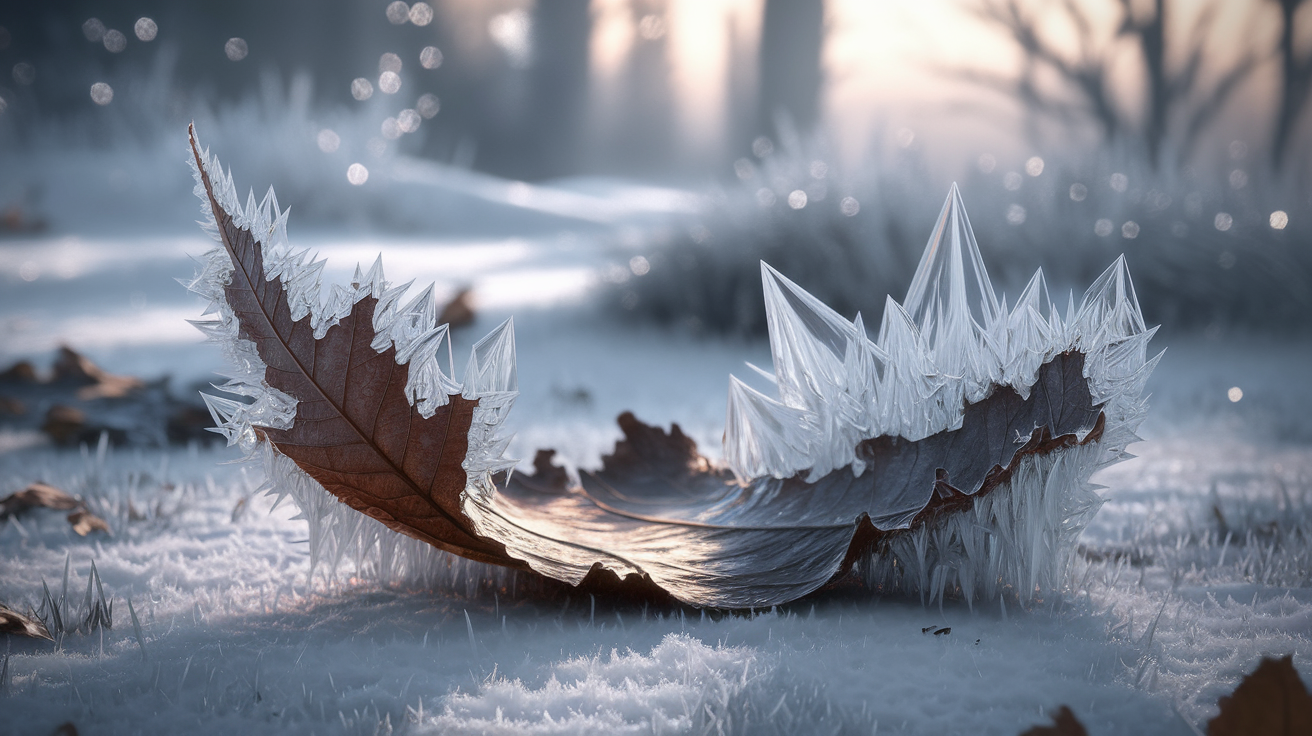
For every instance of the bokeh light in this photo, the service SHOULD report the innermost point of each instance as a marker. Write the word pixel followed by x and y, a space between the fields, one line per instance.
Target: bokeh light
pixel 849 206
pixel 1016 215
pixel 389 62
pixel 24 73
pixel 1079 192
pixel 409 120
pixel 430 57
pixel 1235 394
pixel 236 49
pixel 145 29
pixel 93 29
pixel 421 14
pixel 398 13
pixel 101 93
pixel 1118 182
pixel 1279 220
pixel 1130 230
pixel 389 83
pixel 428 105
pixel 114 41
pixel 1103 227
pixel 1223 221
pixel 797 199
pixel 362 89
pixel 1034 166
pixel 357 174
pixel 328 140
pixel 391 129
pixel 639 265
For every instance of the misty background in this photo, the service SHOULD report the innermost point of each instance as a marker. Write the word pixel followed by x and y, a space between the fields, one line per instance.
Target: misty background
pixel 677 143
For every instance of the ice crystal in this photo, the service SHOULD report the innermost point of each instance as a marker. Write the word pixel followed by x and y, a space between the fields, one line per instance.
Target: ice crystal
pixel 948 344
pixel 411 329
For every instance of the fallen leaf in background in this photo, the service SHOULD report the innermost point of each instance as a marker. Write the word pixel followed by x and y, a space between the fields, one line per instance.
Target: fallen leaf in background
pixel 459 312
pixel 1271 701
pixel 16 624
pixel 84 522
pixel 37 495
pixel 71 367
pixel 1064 723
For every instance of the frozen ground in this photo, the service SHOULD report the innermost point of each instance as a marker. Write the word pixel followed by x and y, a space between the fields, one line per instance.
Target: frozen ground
pixel 1162 616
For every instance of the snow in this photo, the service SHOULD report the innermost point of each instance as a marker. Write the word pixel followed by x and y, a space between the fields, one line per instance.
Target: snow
pixel 238 638
pixel 224 600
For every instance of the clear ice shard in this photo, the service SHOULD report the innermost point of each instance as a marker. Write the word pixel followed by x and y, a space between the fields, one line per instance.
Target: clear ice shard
pixel 958 396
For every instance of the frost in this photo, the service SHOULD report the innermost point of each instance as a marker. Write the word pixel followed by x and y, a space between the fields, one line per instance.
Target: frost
pixel 809 472
pixel 335 529
pixel 948 344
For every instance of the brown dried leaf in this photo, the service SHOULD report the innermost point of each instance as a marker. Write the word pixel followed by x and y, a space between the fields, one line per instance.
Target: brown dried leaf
pixel 459 312
pixel 1064 723
pixel 1271 701
pixel 16 624
pixel 355 432
pixel 64 424
pixel 37 495
pixel 84 522
pixel 73 368
pixel 658 508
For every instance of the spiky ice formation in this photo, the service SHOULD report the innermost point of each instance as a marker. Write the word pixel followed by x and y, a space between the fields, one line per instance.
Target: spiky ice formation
pixel 950 343
pixel 337 533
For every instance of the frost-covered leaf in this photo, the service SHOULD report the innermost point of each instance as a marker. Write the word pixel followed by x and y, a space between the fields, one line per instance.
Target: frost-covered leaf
pixel 951 454
pixel 356 429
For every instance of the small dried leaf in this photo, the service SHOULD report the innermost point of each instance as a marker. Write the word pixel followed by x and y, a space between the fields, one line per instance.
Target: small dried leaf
pixel 16 624
pixel 459 312
pixel 37 495
pixel 1271 701
pixel 1064 723
pixel 84 522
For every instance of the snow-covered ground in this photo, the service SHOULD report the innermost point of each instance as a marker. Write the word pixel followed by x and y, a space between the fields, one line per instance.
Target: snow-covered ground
pixel 1199 564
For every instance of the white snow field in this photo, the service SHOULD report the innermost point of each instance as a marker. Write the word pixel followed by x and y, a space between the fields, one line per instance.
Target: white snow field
pixel 1199 563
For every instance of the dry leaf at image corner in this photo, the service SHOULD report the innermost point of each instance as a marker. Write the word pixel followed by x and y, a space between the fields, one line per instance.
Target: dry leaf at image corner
pixel 16 624
pixel 1064 723
pixel 1270 701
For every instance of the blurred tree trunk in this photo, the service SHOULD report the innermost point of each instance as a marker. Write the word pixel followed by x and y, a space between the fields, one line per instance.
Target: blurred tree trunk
pixel 1151 34
pixel 792 34
pixel 559 87
pixel 1295 84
